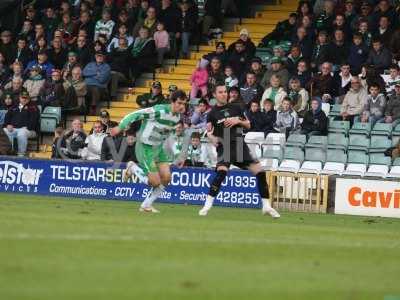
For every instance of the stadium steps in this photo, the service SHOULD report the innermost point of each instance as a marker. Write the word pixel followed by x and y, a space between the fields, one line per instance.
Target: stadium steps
pixel 264 21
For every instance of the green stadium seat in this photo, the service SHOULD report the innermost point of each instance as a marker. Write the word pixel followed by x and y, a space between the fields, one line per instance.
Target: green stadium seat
pixel 335 110
pixel 395 140
pixel 339 127
pixel 359 143
pixel 273 152
pixel 380 160
pixel 336 161
pixel 317 141
pixel 382 129
pixel 315 154
pixel 293 153
pixel 296 140
pixel 357 157
pixel 361 128
pixel 396 130
pixel 52 111
pixel 378 166
pixel 336 155
pixel 48 124
pixel 265 56
pixel 396 162
pixel 379 144
pixel 338 141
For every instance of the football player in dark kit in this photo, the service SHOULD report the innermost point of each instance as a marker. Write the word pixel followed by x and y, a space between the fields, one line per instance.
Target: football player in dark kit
pixel 225 125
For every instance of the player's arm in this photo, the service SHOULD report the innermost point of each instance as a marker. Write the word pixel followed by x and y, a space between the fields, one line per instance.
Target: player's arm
pixel 237 121
pixel 210 134
pixel 138 115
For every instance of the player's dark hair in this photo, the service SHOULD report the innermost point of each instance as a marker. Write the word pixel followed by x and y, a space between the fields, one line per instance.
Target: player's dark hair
pixel 195 135
pixel 179 94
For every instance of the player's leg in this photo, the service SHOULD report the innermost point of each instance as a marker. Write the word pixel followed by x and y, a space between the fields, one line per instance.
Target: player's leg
pixel 140 170
pixel 222 171
pixel 156 191
pixel 256 169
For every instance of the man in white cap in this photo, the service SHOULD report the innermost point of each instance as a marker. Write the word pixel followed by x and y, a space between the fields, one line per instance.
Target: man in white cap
pixel 245 38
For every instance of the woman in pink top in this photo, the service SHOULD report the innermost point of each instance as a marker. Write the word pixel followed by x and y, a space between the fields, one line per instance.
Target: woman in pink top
pixel 161 38
pixel 199 79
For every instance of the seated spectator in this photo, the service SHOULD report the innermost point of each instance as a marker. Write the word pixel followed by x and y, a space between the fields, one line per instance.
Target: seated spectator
pixel 52 92
pixel 302 73
pixel 342 82
pixel 392 111
pixel 15 88
pixel 119 67
pixel 93 142
pixel 321 51
pixel 235 98
pixel 244 38
pixel 143 53
pixel 22 53
pixel 17 71
pixel 97 75
pixel 4 71
pixel 199 116
pixel 219 52
pixel 6 103
pixel 104 26
pixel 287 120
pixel 277 68
pixel 283 31
pixel 57 55
pixel 339 49
pixel 72 62
pixel 323 84
pixel 45 66
pixel 122 34
pixel 269 116
pixel 363 30
pixel 358 53
pixel 199 80
pixel 298 95
pixel 255 116
pixel 379 56
pixel 75 90
pixel 73 141
pixel 83 51
pixel 153 98
pixel 106 122
pixel 374 107
pixel 370 76
pixel 384 33
pixel 324 19
pixel 315 121
pixel 7 47
pixel 161 40
pixel 304 41
pixel 251 90
pixel 392 79
pixel 21 122
pixel 293 59
pixel 215 73
pixel 175 142
pixel 238 58
pixel 257 68
pixel 354 101
pixel 275 92
pixel 230 78
pixel 196 152
pixel 150 23
pixel 68 29
pixel 34 83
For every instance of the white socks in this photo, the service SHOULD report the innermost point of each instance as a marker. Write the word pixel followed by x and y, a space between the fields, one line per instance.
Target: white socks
pixel 266 204
pixel 148 202
pixel 135 169
pixel 209 202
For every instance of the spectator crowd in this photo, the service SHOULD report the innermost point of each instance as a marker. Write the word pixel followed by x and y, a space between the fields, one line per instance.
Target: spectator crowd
pixel 73 54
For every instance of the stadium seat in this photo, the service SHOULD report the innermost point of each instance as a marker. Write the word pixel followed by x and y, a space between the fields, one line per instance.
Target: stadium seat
pixel 357 162
pixel 361 128
pixel 396 130
pixel 379 144
pixel 336 161
pixel 254 141
pixel 292 159
pixel 359 142
pixel 378 166
pixel 314 160
pixel 339 127
pixel 335 110
pixel 317 141
pixel 296 140
pixel 275 139
pixel 338 141
pixel 395 170
pixel 265 55
pixel 52 111
pixel 48 124
pixel 271 156
pixel 382 129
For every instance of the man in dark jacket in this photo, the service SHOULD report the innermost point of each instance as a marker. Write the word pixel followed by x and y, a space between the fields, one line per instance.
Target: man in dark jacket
pixel 392 112
pixel 269 116
pixel 255 116
pixel 57 55
pixel 238 59
pixel 283 31
pixel 22 53
pixel 384 32
pixel 187 22
pixel 6 46
pixel 21 122
pixel 315 121
pixel 82 50
pixel 119 68
pixel 251 90
pixel 323 84
pixel 379 56
pixel 220 52
pixel 153 98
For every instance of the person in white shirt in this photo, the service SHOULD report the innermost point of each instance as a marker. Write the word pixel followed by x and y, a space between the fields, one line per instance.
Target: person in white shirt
pixel 392 78
pixel 92 150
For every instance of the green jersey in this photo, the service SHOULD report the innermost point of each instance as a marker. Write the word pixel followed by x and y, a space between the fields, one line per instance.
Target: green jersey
pixel 158 123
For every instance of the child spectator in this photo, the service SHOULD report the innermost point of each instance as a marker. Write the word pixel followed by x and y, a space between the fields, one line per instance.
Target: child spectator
pixel 255 116
pixel 287 120
pixel 315 121
pixel 196 153
pixel 374 107
pixel 275 92
pixel 298 95
pixel 161 39
pixel 230 78
pixel 269 116
pixel 392 79
pixel 199 80
pixel 199 116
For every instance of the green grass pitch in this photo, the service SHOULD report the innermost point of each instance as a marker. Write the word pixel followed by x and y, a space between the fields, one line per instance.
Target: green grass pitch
pixel 52 248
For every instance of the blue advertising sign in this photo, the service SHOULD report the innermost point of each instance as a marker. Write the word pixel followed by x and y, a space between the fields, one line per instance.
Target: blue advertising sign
pixel 100 180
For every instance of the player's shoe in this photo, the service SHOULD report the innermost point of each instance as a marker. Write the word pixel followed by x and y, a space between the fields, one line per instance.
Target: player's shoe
pixel 267 209
pixel 133 168
pixel 207 206
pixel 150 209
